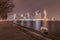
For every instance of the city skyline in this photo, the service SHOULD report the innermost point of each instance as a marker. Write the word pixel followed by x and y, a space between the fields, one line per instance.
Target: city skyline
pixel 52 7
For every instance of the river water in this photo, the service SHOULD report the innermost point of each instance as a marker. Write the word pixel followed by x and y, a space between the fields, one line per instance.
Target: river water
pixel 53 26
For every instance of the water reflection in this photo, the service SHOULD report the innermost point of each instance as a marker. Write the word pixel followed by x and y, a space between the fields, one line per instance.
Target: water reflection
pixel 37 25
pixel 53 26
pixel 31 24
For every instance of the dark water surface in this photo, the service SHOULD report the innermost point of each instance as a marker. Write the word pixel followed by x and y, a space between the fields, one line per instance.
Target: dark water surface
pixel 53 26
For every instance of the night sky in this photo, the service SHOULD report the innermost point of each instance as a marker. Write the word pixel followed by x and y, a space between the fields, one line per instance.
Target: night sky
pixel 52 7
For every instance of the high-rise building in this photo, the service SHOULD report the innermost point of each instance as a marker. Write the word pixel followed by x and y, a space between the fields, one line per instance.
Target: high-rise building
pixel 37 15
pixel 45 14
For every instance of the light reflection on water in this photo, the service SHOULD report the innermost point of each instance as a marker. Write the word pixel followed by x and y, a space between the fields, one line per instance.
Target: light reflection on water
pixel 53 26
pixel 37 25
pixel 31 24
pixel 22 23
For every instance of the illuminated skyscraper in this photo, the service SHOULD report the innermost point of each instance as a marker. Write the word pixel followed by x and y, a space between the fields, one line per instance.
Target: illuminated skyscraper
pixel 28 15
pixel 45 14
pixel 21 16
pixel 37 14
